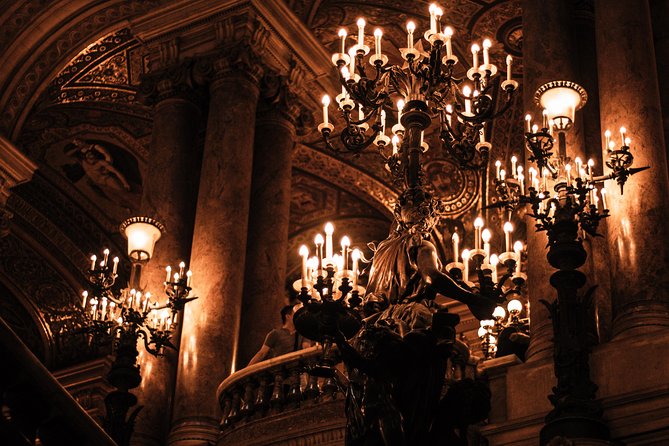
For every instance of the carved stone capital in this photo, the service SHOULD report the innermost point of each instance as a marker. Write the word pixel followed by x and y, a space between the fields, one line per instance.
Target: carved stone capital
pixel 183 80
pixel 281 94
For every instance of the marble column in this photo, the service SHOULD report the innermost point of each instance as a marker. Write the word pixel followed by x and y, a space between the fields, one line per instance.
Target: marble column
pixel 169 195
pixel 266 258
pixel 547 56
pixel 211 323
pixel 629 96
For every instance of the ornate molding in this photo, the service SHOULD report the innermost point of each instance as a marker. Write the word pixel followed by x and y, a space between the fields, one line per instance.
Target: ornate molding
pixel 183 80
pixel 15 168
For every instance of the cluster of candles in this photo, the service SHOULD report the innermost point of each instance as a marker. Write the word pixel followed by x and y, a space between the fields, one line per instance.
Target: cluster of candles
pixel 104 263
pixel 445 35
pixel 489 260
pixel 178 276
pixel 316 266
pixel 567 174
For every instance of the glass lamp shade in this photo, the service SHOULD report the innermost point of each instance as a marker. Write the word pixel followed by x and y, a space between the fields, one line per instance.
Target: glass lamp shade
pixel 499 313
pixel 514 306
pixel 561 99
pixel 142 234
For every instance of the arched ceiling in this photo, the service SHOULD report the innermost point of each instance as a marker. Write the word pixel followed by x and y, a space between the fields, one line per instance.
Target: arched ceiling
pixel 76 73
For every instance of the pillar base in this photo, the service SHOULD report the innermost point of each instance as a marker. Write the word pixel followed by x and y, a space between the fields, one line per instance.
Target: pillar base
pixel 641 317
pixel 198 431
pixel 575 431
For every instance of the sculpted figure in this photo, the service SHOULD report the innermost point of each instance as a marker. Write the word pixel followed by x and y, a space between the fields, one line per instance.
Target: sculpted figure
pixel 396 362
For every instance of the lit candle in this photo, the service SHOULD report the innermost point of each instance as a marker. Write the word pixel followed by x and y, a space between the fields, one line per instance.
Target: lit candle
pixel 437 15
pixel 514 161
pixel 486 54
pixel 343 34
pixel 106 253
pixel 518 248
pixel 433 18
pixel 595 198
pixel 508 229
pixel 502 175
pixel 182 265
pixel 509 60
pixel 449 113
pixel 528 123
pixel 607 138
pixel 189 276
pixel 591 164
pixel 603 192
pixel 169 273
pixel 361 33
pixel 628 141
pixel 449 45
pixel 622 134
pixel 498 164
pixel 395 139
pixel 115 268
pixel 494 261
pixel 533 175
pixel 544 174
pixel 578 163
pixel 521 180
pixel 176 277
pixel 485 235
pixel 329 229
pixel 304 252
pixel 85 295
pixel 478 225
pixel 94 259
pixel 326 103
pixel 535 128
pixel 567 169
pixel 400 107
pixel 475 56
pixel 551 124
pixel 411 27
pixel 456 241
pixel 544 121
pixel 377 41
pixel 465 261
pixel 345 243
pixel 355 255
pixel 104 308
pixel 467 91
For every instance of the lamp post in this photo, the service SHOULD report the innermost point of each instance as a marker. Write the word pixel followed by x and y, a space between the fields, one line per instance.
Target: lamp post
pixel 571 208
pixel 132 314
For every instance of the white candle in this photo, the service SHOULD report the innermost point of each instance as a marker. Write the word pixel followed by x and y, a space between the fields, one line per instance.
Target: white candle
pixel 502 174
pixel 478 225
pixel 342 34
pixel 411 27
pixel 449 113
pixel 106 253
pixel 498 164
pixel 508 229
pixel 485 235
pixel 318 241
pixel 437 15
pixel 494 261
pixel 85 295
pixel 355 255
pixel 622 134
pixel 94 259
pixel 514 162
pixel 475 56
pixel 456 240
pixel 528 123
pixel 603 192
pixel 329 229
pixel 467 91
pixel 169 273
pixel 182 265
pixel 326 103
pixel 465 261
pixel 400 107
pixel 345 243
pixel 304 252
pixel 509 60
pixel 115 268
pixel 567 169
pixel 486 54
pixel 104 308
pixel 449 45
pixel 395 139
pixel 591 164
pixel 544 115
pixel 377 41
pixel 521 180
pixel 607 137
pixel 189 276
pixel 433 18
pixel 361 32
pixel 579 163
pixel 518 248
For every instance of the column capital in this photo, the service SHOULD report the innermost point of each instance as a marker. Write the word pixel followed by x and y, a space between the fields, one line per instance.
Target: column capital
pixel 183 80
pixel 281 94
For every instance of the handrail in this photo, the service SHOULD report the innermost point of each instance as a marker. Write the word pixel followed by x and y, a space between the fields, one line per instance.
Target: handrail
pixel 63 418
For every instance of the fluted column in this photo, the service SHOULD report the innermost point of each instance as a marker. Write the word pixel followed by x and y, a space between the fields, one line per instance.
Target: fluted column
pixel 629 96
pixel 264 280
pixel 169 195
pixel 546 57
pixel 211 323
